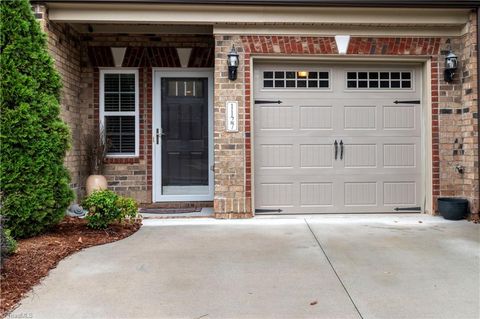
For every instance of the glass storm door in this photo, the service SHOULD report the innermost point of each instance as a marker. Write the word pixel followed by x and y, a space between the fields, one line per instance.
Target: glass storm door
pixel 184 133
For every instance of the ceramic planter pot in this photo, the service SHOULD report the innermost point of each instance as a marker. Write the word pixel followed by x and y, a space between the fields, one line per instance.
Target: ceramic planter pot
pixel 453 208
pixel 95 183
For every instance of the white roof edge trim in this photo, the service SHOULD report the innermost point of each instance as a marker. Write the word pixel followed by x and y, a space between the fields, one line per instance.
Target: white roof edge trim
pixel 207 14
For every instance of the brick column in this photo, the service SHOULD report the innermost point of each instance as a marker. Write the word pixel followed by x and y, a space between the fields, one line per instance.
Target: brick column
pixel 468 120
pixel 65 48
pixel 231 200
pixel 458 118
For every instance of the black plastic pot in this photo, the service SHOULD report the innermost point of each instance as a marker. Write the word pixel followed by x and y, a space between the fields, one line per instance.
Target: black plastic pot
pixel 453 208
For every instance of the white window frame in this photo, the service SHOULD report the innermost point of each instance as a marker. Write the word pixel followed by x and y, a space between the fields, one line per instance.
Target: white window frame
pixel 136 113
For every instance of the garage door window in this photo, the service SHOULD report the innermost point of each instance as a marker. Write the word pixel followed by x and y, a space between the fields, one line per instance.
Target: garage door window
pixel 379 80
pixel 296 79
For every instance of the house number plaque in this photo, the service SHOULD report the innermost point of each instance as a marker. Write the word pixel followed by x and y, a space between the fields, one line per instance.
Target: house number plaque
pixel 232 116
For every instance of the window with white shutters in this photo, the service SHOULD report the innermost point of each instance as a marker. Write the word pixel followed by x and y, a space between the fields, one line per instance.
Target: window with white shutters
pixel 119 111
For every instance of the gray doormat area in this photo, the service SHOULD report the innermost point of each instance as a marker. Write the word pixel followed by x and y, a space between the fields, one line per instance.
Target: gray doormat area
pixel 188 212
pixel 170 210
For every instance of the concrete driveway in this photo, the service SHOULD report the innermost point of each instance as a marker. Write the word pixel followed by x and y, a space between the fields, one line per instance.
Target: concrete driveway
pixel 348 266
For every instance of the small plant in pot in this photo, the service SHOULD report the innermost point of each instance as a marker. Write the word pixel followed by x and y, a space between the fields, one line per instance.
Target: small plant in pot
pixel 97 147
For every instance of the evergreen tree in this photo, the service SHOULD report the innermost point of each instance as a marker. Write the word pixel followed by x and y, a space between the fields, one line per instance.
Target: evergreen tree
pixel 34 182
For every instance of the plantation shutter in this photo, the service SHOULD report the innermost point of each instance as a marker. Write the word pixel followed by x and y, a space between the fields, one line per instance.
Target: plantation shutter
pixel 120 112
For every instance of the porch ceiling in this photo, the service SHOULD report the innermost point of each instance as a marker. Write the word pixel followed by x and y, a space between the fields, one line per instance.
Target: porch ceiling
pixel 158 29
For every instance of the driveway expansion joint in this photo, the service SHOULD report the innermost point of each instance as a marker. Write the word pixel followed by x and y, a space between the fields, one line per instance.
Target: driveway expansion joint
pixel 333 268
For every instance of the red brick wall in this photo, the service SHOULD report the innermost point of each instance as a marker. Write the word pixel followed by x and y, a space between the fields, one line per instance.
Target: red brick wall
pixel 289 45
pixel 65 47
pixel 394 46
pixel 433 47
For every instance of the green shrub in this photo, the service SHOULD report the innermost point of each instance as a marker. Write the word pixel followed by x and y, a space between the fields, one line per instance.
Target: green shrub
pixel 8 242
pixel 8 245
pixel 102 209
pixel 128 209
pixel 33 142
pixel 105 207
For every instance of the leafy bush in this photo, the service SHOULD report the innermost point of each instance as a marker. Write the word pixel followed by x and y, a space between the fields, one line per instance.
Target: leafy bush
pixel 8 245
pixel 105 207
pixel 102 209
pixel 33 142
pixel 128 208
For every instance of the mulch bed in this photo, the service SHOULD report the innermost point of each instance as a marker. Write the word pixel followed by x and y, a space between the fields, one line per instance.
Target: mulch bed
pixel 37 255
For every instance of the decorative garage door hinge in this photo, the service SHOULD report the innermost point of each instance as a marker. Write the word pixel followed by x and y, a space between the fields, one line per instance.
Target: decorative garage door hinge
pixel 267 102
pixel 407 102
pixel 407 208
pixel 259 210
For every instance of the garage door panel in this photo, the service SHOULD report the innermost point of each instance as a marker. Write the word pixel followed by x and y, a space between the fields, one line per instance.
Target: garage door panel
pixel 360 118
pixel 400 117
pixel 282 138
pixel 316 156
pixel 276 194
pixel 360 155
pixel 295 168
pixel 316 117
pixel 361 193
pixel 316 194
pixel 276 118
pixel 276 155
pixel 400 193
pixel 399 155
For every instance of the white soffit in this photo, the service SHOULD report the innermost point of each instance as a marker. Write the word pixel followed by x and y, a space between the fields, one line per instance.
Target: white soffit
pixel 118 55
pixel 142 28
pixel 184 56
pixel 332 30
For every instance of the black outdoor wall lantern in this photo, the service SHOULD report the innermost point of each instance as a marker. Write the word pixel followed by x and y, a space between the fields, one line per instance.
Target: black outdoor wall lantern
pixel 232 62
pixel 451 63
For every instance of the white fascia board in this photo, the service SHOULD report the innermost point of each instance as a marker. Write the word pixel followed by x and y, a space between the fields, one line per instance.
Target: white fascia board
pixel 208 14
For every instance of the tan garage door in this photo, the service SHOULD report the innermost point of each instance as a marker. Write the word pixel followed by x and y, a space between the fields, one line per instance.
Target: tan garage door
pixel 345 138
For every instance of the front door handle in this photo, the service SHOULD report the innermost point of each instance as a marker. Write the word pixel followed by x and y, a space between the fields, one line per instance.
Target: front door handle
pixel 159 134
pixel 341 149
pixel 335 145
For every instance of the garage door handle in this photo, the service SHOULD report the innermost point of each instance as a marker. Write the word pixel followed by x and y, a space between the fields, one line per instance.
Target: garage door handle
pixel 335 145
pixel 341 149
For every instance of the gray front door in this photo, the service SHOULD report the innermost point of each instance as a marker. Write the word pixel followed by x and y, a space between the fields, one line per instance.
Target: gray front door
pixel 338 142
pixel 182 135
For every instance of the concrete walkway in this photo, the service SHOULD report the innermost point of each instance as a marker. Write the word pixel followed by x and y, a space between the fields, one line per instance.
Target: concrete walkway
pixel 349 266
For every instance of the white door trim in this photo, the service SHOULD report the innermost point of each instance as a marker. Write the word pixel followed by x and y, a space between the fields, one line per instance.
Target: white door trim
pixel 158 74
